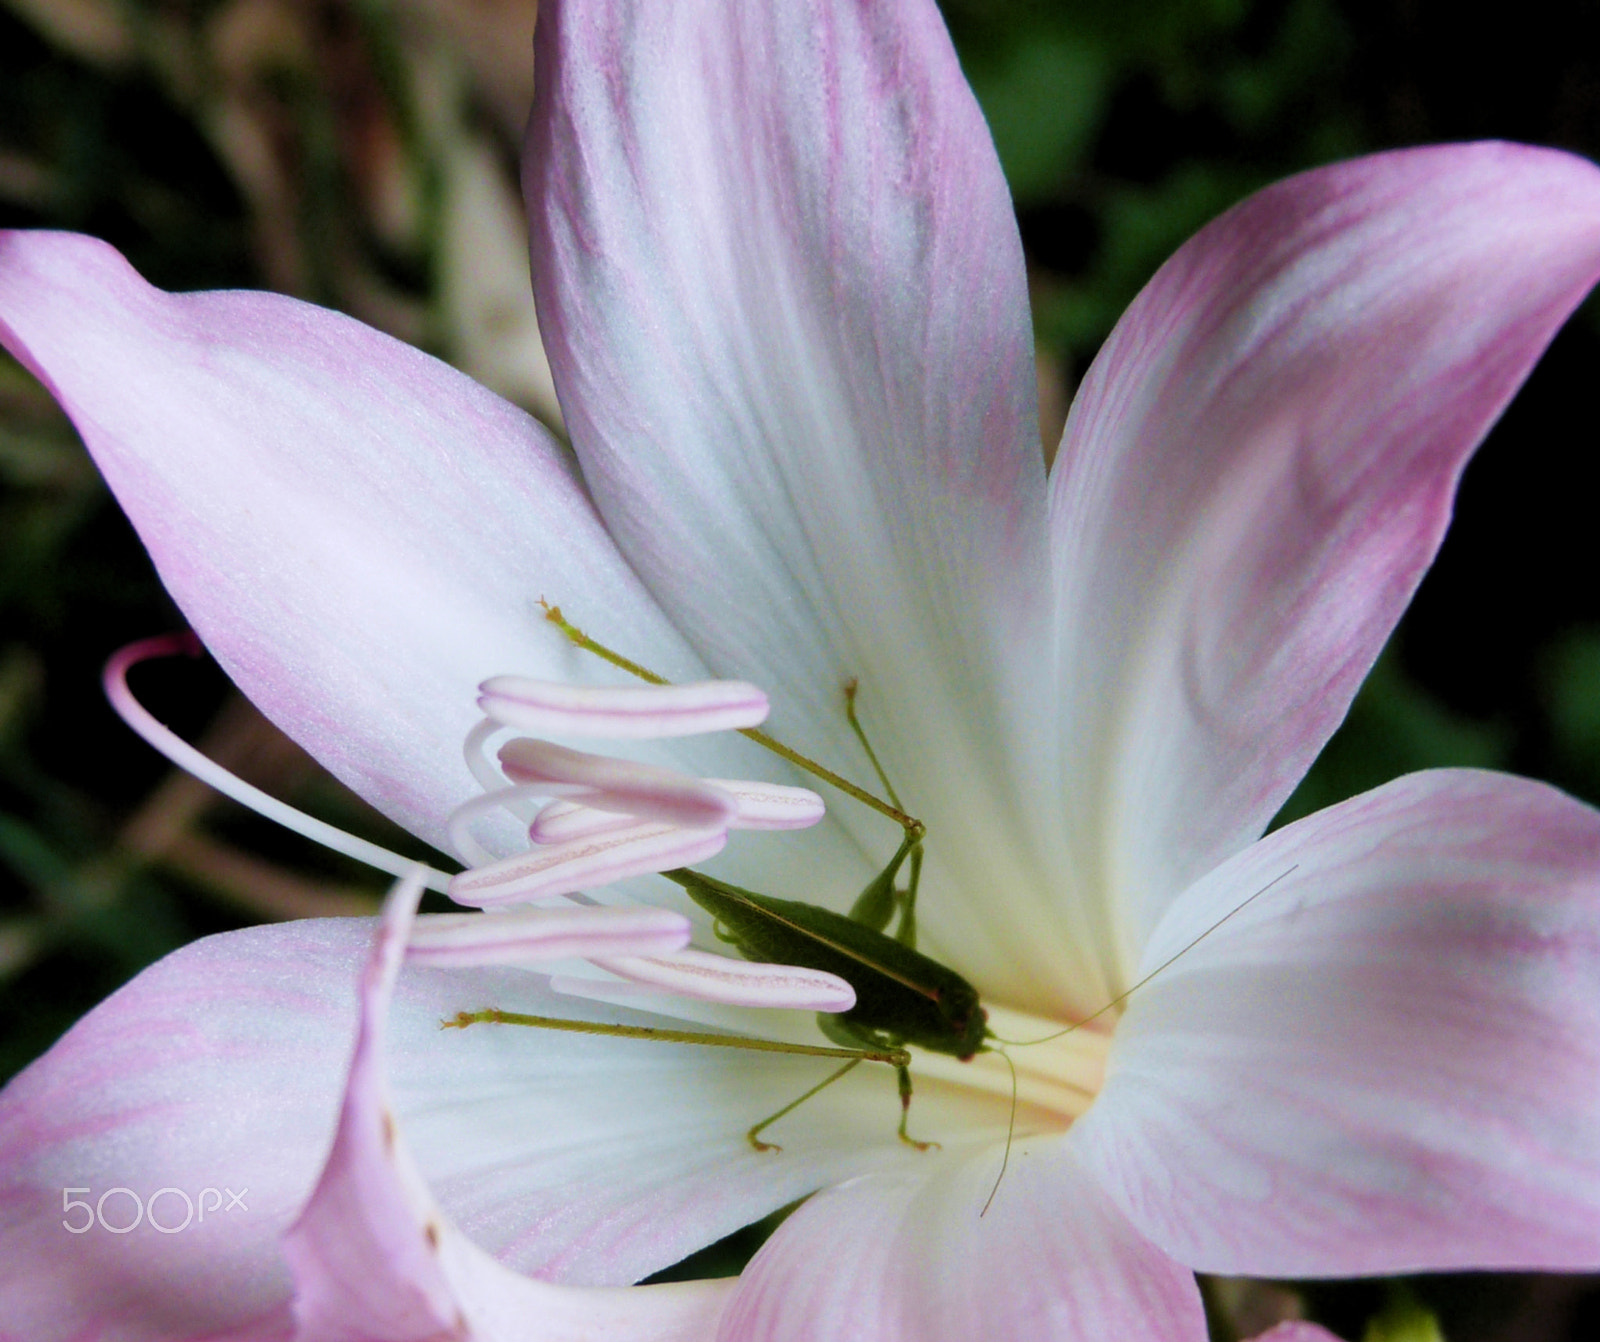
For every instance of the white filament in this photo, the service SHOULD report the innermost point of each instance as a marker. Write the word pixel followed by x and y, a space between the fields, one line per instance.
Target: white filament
pixel 186 757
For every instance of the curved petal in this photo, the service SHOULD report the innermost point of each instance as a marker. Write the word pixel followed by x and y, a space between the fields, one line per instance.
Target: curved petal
pixel 358 532
pixel 591 1161
pixel 375 1260
pixel 1259 468
pixel 217 1069
pixel 1388 1060
pixel 597 1161
pixel 915 1258
pixel 783 294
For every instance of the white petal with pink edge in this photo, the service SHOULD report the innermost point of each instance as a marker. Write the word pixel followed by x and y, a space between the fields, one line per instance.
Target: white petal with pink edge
pixel 622 712
pixel 717 978
pixel 359 595
pixel 807 407
pixel 220 1068
pixel 913 1257
pixel 1389 1060
pixel 1259 467
pixel 374 1258
pixel 530 936
pixel 217 1068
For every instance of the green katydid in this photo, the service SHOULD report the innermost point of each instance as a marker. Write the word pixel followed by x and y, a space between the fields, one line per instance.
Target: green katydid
pixel 902 996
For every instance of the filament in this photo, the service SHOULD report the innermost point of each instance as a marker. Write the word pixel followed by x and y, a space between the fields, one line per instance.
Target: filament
pixel 208 771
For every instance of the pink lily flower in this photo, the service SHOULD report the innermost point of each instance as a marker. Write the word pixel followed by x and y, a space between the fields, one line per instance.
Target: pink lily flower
pixel 784 301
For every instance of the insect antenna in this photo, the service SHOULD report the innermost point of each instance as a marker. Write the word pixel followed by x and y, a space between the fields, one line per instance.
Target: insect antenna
pixel 1166 964
pixel 1011 1132
pixel 1116 1001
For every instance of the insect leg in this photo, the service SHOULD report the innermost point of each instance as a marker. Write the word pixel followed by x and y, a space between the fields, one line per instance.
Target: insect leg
pixel 879 899
pixel 861 736
pixel 789 1108
pixel 580 639
pixel 906 933
pixel 903 1076
pixel 876 904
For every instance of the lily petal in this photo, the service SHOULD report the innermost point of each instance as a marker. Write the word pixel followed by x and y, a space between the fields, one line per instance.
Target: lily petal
pixel 1259 467
pixel 794 353
pixel 375 1260
pixel 1387 1061
pixel 357 531
pixel 908 1258
pixel 220 1068
pixel 217 1069
pixel 596 1161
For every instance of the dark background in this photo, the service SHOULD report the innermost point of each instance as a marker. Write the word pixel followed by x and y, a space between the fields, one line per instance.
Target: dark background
pixel 358 152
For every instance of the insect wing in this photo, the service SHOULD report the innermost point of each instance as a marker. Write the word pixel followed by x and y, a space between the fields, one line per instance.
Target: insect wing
pixel 899 992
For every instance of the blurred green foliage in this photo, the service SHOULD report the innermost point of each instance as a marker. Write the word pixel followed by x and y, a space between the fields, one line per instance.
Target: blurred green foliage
pixel 326 148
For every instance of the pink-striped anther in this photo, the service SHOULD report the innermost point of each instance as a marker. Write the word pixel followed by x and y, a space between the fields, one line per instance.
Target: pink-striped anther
pixel 756 805
pixel 760 805
pixel 622 712
pixel 716 978
pixel 551 870
pixel 626 787
pixel 531 936
pixel 561 821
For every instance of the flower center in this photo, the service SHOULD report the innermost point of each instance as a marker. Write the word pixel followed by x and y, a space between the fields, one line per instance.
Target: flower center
pixel 1057 1080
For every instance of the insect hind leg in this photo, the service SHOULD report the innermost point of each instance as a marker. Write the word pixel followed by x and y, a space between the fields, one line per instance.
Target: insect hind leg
pixel 903 1076
pixel 755 1132
pixel 842 1031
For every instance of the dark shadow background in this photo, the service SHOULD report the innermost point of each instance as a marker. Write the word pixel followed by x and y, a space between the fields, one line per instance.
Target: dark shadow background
pixel 299 145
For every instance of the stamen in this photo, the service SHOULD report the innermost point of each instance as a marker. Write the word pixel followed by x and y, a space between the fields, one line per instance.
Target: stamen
pixel 477 757
pixel 114 680
pixel 565 868
pixel 913 827
pixel 761 805
pixel 716 978
pixel 531 936
pixel 458 823
pixel 622 712
pixel 562 821
pixel 757 805
pixel 645 791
